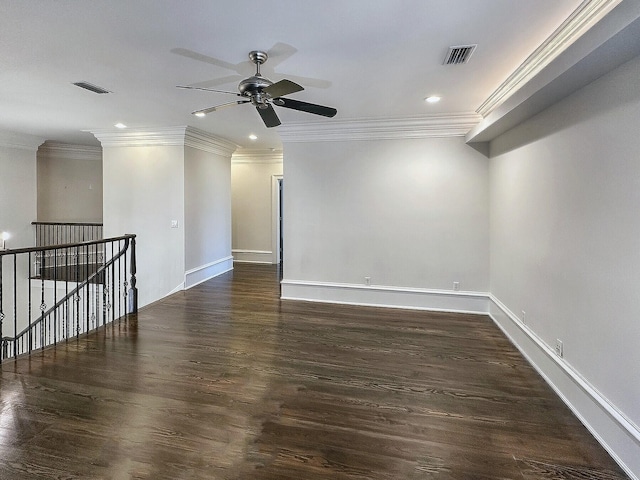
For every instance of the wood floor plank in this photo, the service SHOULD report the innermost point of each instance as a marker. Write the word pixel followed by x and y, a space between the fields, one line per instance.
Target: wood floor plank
pixel 226 381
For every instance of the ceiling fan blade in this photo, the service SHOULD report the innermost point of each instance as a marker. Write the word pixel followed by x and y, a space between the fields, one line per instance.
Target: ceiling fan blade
pixel 279 53
pixel 269 116
pixel 218 107
pixel 283 87
pixel 215 82
pixel 204 58
pixel 189 87
pixel 305 107
pixel 309 82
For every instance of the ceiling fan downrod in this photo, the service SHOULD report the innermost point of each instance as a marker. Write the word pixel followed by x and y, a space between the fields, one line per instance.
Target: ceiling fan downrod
pixel 258 57
pixel 253 87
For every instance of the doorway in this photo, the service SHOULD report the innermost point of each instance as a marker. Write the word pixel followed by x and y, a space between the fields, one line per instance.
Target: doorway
pixel 277 206
pixel 280 208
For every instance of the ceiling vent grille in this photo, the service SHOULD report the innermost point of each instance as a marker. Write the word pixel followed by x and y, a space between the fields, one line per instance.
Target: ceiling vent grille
pixel 91 87
pixel 459 55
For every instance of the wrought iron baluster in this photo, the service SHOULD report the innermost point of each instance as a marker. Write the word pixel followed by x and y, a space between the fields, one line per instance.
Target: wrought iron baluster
pixel 105 288
pixel 29 332
pixel 94 316
pixel 66 293
pixel 113 266
pixel 55 298
pixel 124 272
pixel 15 305
pixel 77 298
pixel 43 305
pixel 88 291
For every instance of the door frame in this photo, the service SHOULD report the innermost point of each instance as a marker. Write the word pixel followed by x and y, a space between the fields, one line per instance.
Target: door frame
pixel 276 207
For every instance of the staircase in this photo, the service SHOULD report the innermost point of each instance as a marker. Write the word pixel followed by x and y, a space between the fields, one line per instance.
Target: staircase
pixel 52 293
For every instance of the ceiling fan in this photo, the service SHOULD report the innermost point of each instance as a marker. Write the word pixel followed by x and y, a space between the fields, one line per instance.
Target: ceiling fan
pixel 263 94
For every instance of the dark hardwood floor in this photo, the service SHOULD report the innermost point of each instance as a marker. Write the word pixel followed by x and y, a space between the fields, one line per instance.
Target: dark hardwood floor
pixel 225 381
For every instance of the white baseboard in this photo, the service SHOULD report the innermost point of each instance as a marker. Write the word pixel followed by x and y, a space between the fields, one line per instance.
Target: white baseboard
pixel 179 288
pixel 253 256
pixel 383 296
pixel 203 273
pixel 618 435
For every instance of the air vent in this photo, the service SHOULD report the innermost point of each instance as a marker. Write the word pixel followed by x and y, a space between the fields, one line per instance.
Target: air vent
pixel 91 87
pixel 459 55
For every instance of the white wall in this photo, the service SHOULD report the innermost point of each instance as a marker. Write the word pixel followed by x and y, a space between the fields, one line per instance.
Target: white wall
pixel 17 211
pixel 18 187
pixel 207 214
pixel 565 230
pixel 69 183
pixel 143 193
pixel 252 183
pixel 411 214
pixel 155 177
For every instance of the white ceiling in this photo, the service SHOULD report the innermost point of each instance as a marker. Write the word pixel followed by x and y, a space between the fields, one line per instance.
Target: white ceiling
pixel 369 59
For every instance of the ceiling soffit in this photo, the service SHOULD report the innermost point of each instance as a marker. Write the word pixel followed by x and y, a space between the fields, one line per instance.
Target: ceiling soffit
pixel 581 20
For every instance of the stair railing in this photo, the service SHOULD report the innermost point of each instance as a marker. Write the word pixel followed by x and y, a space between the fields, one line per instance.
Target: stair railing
pixel 57 233
pixel 88 285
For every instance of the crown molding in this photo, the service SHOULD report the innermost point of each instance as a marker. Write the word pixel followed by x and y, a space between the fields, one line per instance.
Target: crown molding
pixel 582 19
pixel 67 151
pixel 21 141
pixel 208 142
pixel 424 126
pixel 141 137
pixel 165 137
pixel 245 155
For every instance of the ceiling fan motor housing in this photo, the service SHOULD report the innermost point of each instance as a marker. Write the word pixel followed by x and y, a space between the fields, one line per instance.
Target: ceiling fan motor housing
pixel 253 85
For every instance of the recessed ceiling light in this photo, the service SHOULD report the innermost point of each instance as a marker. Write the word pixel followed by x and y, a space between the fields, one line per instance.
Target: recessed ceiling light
pixel 253 137
pixel 432 99
pixel 200 114
pixel 120 125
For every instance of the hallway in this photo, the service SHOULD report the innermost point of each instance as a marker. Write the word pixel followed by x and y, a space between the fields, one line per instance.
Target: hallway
pixel 225 381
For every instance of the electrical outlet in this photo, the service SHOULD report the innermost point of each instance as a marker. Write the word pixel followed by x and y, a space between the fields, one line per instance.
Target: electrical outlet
pixel 367 281
pixel 524 317
pixel 559 348
pixel 456 286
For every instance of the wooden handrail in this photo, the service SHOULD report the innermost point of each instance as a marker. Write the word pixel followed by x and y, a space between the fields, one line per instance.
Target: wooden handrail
pixel 72 224
pixel 11 251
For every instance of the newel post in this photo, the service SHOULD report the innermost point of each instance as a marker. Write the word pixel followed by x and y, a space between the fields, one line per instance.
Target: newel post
pixel 133 291
pixel 2 353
